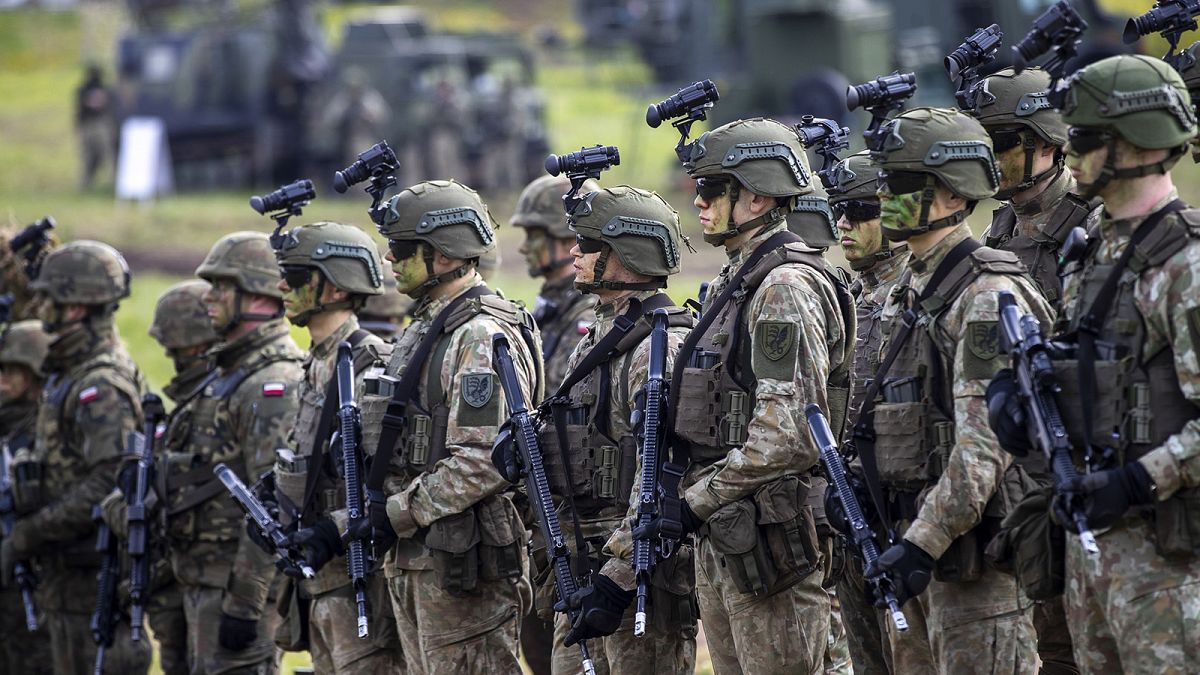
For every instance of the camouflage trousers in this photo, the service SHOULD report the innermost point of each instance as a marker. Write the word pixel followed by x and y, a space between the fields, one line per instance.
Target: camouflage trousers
pixel 865 631
pixel 1053 638
pixel 982 626
pixel 475 633
pixel 333 632
pixel 1131 610
pixel 202 609
pixel 164 613
pixel 621 652
pixel 784 632
pixel 22 652
pixel 837 650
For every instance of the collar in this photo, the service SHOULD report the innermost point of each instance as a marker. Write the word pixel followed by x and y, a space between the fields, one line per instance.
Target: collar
pixel 1048 198
pixel 228 354
pixel 886 269
pixel 737 255
pixel 611 310
pixel 427 308
pixel 924 266
pixel 1112 229
pixel 330 344
pixel 186 382
pixel 95 337
pixel 559 289
pixel 19 416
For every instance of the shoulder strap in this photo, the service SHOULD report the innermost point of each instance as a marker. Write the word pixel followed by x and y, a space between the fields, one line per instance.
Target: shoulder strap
pixel 1072 211
pixel 607 345
pixel 1004 224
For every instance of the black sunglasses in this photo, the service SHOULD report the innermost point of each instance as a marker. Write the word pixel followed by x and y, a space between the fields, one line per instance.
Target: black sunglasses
pixel 901 182
pixel 1082 140
pixel 403 249
pixel 855 210
pixel 709 189
pixel 1004 140
pixel 295 276
pixel 588 245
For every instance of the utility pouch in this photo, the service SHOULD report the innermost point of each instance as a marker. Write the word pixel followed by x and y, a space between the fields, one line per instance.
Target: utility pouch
pixel 454 543
pixel 1032 547
pixel 28 482
pixel 373 406
pixel 734 533
pixel 788 524
pixel 1177 525
pixel 292 633
pixel 578 453
pixel 289 483
pixel 500 533
pixel 900 443
pixel 674 610
pixel 1108 401
pixel 698 413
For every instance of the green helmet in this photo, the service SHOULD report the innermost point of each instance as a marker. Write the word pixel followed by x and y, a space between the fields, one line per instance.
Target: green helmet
pixel 812 219
pixel 445 214
pixel 1010 99
pixel 1141 99
pixel 83 272
pixel 541 205
pixel 856 177
pixel 181 318
pixel 639 226
pixel 345 255
pixel 25 343
pixel 246 259
pixel 942 144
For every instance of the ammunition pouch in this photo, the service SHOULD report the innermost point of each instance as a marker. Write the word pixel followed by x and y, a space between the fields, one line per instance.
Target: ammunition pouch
pixel 1177 525
pixel 482 543
pixel 713 414
pixel 913 450
pixel 673 597
pixel 292 607
pixel 291 479
pixel 1108 401
pixel 1032 547
pixel 28 482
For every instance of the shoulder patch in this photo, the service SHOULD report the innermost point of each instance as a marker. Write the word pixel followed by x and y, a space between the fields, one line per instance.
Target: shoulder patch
pixel 582 326
pixel 89 394
pixel 776 338
pixel 477 388
pixel 274 389
pixel 983 339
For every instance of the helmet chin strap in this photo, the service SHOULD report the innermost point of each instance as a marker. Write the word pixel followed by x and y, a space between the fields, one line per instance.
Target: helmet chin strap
pixel 303 318
pixel 1028 180
pixel 239 316
pixel 434 280
pixel 598 272
pixel 1110 170
pixel 867 262
pixel 776 214
pixel 923 223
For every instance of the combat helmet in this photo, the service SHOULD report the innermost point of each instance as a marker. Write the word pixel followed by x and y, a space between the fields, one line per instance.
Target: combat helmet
pixel 928 145
pixel 181 318
pixel 856 179
pixel 445 215
pixel 247 260
pixel 639 226
pixel 84 272
pixel 1020 102
pixel 763 156
pixel 25 343
pixel 812 219
pixel 540 206
pixel 346 257
pixel 1134 97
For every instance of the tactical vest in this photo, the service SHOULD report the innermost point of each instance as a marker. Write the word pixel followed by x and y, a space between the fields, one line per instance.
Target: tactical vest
pixel 717 391
pixel 602 464
pixel 870 326
pixel 1138 403
pixel 1040 252
pixel 555 321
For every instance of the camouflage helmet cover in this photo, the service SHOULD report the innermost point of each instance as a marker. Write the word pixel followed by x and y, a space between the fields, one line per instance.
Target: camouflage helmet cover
pixel 445 214
pixel 945 143
pixel 181 317
pixel 346 255
pixel 83 272
pixel 541 205
pixel 246 259
pixel 1141 99
pixel 637 224
pixel 855 177
pixel 25 343
pixel 1010 99
pixel 764 155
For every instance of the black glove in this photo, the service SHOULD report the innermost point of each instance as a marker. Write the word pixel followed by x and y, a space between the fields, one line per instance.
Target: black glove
pixel 375 527
pixel 835 513
pixel 1107 495
pixel 909 566
pixel 236 634
pixel 600 607
pixel 661 526
pixel 504 454
pixel 257 537
pixel 320 543
pixel 1006 415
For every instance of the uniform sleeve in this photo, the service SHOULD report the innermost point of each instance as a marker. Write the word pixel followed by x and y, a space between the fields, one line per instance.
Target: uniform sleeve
pixel 262 420
pixel 477 409
pixel 976 464
pixel 791 325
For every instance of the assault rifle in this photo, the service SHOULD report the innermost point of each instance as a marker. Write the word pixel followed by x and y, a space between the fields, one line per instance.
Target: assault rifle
pixel 106 614
pixel 1021 337
pixel 290 556
pixel 139 560
pixel 22 572
pixel 860 533
pixel 30 242
pixel 348 438
pixel 520 430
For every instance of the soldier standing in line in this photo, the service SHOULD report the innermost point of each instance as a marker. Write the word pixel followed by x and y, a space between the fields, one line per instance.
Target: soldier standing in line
pixel 628 242
pixel 944 479
pixel 92 400
pixel 23 347
pixel 456 562
pixel 879 265
pixel 239 417
pixel 329 270
pixel 563 315
pixel 1129 375
pixel 386 313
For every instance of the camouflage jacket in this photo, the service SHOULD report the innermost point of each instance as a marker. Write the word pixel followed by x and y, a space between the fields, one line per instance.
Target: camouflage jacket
pixel 186 382
pixel 870 291
pixel 1168 299
pixel 18 429
pixel 955 503
pixel 563 316
pixel 777 444
pixel 240 418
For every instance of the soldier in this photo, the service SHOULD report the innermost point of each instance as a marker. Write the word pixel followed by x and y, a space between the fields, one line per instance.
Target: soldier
pixel 239 417
pixel 385 313
pixel 563 315
pixel 879 265
pixel 923 422
pixel 329 270
pixel 1129 374
pixel 23 348
pixel 624 267
pixel 457 569
pixel 91 402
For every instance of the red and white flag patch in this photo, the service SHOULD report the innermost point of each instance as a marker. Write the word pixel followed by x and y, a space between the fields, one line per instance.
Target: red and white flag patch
pixel 582 327
pixel 88 395
pixel 274 389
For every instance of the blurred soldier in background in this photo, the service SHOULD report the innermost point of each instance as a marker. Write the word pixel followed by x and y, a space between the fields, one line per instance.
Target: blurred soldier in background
pixel 385 314
pixel 94 123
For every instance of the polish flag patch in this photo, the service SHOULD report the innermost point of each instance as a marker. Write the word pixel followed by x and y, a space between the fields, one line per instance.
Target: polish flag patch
pixel 582 327
pixel 160 430
pixel 274 389
pixel 88 395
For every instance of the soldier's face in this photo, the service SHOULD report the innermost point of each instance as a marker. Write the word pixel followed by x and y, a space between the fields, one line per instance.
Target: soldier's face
pixel 299 299
pixel 859 239
pixel 585 265
pixel 536 249
pixel 898 212
pixel 714 209
pixel 410 272
pixel 221 302
pixel 15 381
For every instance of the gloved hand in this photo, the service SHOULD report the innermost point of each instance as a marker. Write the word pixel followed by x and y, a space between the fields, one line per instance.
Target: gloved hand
pixel 600 607
pixel 1107 495
pixel 1006 415
pixel 504 454
pixel 835 513
pixel 320 543
pixel 236 634
pixel 909 566
pixel 374 527
pixel 256 536
pixel 688 522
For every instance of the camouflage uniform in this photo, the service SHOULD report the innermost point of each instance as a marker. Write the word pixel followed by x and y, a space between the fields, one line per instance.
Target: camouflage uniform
pixel 563 316
pixel 90 403
pixel 240 417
